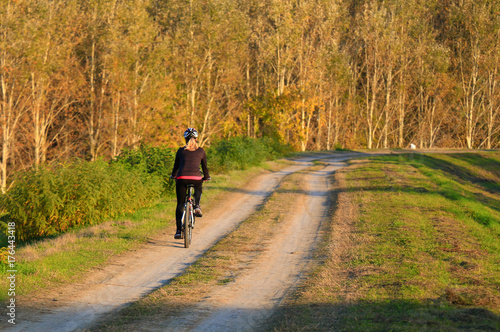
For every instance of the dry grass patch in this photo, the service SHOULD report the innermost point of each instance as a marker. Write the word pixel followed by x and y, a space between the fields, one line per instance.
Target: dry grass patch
pixel 66 241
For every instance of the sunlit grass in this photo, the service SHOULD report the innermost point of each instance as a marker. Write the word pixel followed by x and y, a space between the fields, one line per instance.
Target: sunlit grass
pixel 421 252
pixel 56 261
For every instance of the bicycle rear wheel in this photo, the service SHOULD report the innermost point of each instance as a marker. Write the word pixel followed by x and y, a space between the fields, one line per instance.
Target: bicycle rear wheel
pixel 188 225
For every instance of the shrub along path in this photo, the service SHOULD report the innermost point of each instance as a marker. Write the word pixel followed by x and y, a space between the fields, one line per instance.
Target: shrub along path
pixel 132 276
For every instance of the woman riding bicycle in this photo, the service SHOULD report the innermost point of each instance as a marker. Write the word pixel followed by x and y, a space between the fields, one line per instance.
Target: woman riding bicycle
pixel 187 171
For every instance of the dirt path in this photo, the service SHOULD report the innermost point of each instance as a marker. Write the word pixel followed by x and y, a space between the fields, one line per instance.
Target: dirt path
pixel 244 303
pixel 247 302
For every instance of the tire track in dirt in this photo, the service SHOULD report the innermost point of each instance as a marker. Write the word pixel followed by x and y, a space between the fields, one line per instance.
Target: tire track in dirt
pixel 132 276
pixel 247 302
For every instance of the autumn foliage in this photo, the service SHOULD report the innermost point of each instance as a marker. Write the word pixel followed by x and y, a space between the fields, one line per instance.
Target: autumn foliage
pixel 89 78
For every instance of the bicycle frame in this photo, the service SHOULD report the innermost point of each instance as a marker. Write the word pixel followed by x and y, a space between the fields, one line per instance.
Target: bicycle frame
pixel 188 219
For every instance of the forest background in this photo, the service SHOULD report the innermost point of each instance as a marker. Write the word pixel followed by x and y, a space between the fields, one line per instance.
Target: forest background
pixel 87 78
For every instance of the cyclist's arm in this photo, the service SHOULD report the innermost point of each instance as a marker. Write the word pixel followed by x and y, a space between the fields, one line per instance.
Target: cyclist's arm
pixel 204 167
pixel 176 164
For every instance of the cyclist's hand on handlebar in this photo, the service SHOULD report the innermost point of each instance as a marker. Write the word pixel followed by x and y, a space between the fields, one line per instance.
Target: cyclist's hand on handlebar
pixel 207 179
pixel 173 177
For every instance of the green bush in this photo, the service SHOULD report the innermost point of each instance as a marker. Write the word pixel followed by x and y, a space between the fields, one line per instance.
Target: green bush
pixel 239 153
pixel 48 201
pixel 157 161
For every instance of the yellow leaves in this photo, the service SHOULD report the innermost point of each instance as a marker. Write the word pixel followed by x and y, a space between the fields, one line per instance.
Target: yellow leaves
pixel 308 104
pixel 4 254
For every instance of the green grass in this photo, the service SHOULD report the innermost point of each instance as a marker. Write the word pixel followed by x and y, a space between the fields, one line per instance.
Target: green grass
pixel 422 252
pixel 54 199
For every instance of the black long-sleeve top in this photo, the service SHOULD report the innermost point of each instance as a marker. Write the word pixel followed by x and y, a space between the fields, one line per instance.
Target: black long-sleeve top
pixel 187 164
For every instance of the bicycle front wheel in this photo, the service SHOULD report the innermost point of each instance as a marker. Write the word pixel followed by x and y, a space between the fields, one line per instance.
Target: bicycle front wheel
pixel 188 226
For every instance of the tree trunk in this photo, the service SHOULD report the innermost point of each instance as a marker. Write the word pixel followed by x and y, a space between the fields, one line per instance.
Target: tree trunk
pixel 401 117
pixel 12 109
pixel 493 107
pixel 387 106
pixel 471 90
pixel 116 118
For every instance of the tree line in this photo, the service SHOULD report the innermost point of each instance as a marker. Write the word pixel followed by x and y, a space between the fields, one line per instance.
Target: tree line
pixel 86 78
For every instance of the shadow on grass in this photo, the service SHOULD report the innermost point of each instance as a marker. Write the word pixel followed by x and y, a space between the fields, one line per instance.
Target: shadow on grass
pixel 490 164
pixel 453 171
pixel 462 174
pixel 446 193
pixel 393 315
pixel 447 188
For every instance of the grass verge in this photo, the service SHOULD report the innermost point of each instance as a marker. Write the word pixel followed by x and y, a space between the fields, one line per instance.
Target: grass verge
pixel 413 246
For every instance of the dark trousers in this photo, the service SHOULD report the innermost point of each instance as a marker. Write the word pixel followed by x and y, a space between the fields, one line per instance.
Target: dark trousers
pixel 180 190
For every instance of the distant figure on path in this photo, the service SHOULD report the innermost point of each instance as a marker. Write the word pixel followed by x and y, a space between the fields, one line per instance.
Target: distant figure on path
pixel 187 171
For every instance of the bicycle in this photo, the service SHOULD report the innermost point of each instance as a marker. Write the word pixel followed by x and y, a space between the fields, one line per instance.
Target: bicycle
pixel 188 218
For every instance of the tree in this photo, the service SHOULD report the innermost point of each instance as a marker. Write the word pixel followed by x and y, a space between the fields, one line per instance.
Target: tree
pixel 50 63
pixel 369 34
pixel 14 94
pixel 471 20
pixel 96 20
pixel 492 74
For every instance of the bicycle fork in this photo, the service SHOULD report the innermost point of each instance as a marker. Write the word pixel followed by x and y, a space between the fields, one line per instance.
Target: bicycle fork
pixel 186 218
pixel 191 210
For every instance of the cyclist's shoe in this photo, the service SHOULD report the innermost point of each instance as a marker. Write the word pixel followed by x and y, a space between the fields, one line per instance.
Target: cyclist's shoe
pixel 197 212
pixel 178 235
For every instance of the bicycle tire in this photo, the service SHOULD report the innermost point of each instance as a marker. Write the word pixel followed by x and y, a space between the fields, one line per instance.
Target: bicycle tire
pixel 188 226
pixel 190 223
pixel 183 222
